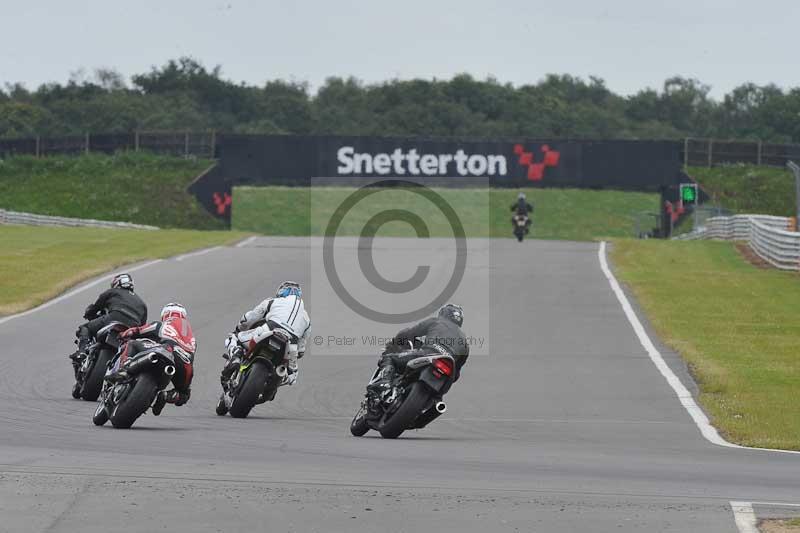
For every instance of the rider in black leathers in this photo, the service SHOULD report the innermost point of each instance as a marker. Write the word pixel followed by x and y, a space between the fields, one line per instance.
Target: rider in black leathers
pixel 521 208
pixel 121 305
pixel 442 335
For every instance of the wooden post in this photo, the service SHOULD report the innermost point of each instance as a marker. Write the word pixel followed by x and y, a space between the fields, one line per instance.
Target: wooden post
pixel 710 150
pixel 213 143
pixel 758 157
pixel 38 145
pixel 86 144
pixel 186 145
pixel 685 153
pixel 136 140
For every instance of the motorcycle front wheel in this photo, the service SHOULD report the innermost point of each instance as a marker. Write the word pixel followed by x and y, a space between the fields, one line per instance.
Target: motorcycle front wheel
pixel 100 415
pixel 359 426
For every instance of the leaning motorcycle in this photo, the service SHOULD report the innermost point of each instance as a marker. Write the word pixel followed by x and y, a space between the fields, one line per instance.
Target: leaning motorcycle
pixel 520 226
pixel 91 368
pixel 259 375
pixel 413 401
pixel 133 383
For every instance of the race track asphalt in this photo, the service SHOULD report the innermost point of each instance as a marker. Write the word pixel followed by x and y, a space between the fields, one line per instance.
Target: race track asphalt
pixel 560 423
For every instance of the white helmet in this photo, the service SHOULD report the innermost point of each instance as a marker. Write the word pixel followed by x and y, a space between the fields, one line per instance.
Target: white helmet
pixel 173 310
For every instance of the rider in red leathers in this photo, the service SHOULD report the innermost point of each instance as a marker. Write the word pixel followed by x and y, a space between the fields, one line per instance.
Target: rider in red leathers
pixel 175 333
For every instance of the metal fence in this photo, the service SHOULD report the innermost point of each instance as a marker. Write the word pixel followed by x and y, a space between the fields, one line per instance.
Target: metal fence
pixel 31 219
pixel 796 171
pixel 710 152
pixel 768 236
pixel 178 143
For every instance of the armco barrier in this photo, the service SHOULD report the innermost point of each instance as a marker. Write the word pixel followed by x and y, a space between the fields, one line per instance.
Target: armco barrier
pixel 766 235
pixel 30 219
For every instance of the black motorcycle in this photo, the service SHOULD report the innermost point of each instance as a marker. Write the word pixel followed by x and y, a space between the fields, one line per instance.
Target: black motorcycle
pixel 259 375
pixel 521 223
pixel 132 385
pixel 91 367
pixel 412 402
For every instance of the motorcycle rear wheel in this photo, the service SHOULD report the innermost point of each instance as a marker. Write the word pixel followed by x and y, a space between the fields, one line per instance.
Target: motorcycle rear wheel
pixel 136 403
pixel 254 383
pixel 94 381
pixel 407 413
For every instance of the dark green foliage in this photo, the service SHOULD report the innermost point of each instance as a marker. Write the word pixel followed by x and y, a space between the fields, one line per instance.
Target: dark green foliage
pixel 183 94
pixel 140 188
pixel 749 189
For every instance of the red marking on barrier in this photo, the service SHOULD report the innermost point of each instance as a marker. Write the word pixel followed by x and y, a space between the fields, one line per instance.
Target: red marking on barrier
pixel 536 170
pixel 222 202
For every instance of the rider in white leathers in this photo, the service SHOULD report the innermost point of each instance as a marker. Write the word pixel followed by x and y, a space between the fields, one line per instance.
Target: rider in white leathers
pixel 285 310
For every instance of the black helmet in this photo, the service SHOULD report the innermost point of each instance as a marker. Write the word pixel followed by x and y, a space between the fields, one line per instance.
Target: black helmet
pixel 122 281
pixel 452 312
pixel 289 287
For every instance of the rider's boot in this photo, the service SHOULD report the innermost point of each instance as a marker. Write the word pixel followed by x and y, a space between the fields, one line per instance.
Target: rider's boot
pixel 291 374
pixel 233 356
pixel 161 401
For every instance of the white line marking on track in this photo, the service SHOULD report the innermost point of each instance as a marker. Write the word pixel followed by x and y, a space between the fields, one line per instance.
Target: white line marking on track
pixel 687 400
pixel 745 517
pixel 246 241
pixel 776 504
pixel 195 254
pixel 76 291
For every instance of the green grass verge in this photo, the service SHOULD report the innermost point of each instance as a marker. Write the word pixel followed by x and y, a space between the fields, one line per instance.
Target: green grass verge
pixel 129 187
pixel 38 263
pixel 569 214
pixel 736 326
pixel 749 188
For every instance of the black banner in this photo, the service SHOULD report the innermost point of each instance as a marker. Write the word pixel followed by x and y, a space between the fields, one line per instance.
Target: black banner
pixel 295 160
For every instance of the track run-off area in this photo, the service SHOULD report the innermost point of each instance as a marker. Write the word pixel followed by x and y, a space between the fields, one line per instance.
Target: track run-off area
pixel 561 420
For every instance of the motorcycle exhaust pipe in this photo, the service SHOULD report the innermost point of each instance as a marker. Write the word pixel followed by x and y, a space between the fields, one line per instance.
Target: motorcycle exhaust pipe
pixel 169 370
pixel 430 415
pixel 281 371
pixel 138 365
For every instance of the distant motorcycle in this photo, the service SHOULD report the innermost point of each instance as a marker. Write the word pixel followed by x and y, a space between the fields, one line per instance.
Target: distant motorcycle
pixel 413 401
pixel 91 368
pixel 521 223
pixel 132 384
pixel 259 375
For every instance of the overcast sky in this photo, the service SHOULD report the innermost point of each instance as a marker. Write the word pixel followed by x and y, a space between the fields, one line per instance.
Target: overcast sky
pixel 632 44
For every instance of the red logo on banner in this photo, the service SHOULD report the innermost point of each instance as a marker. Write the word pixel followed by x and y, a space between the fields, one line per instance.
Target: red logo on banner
pixel 222 202
pixel 536 170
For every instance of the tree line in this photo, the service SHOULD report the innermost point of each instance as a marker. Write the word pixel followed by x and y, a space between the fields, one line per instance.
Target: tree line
pixel 185 95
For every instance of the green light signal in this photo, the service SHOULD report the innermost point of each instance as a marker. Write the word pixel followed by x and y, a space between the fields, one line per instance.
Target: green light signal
pixel 689 193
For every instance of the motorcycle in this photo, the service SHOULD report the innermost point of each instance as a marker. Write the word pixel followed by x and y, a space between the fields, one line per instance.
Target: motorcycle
pixel 521 223
pixel 132 384
pixel 412 402
pixel 91 369
pixel 259 375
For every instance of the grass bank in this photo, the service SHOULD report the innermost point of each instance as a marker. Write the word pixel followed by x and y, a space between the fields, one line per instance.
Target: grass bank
pixel 38 263
pixel 129 187
pixel 570 214
pixel 735 325
pixel 749 188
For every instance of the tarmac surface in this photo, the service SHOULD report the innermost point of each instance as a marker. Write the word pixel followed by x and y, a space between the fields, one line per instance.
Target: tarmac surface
pixel 560 422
